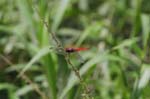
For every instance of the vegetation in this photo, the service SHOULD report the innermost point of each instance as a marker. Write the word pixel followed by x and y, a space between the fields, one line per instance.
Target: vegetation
pixel 116 64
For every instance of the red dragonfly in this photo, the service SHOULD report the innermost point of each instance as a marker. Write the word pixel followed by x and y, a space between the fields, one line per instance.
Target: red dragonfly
pixel 58 48
pixel 72 50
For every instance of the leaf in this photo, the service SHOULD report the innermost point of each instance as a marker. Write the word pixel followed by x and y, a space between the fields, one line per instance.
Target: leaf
pixel 6 86
pixel 73 79
pixel 125 43
pixel 145 6
pixel 24 90
pixel 25 12
pixel 18 67
pixel 90 30
pixel 146 29
pixel 10 88
pixel 145 77
pixel 59 14
pixel 40 54
pixel 50 72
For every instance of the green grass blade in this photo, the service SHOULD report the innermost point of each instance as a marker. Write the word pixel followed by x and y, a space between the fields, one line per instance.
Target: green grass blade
pixel 145 77
pixel 59 14
pixel 73 79
pixel 126 43
pixel 146 29
pixel 50 72
pixel 39 55
pixel 24 90
pixel 90 30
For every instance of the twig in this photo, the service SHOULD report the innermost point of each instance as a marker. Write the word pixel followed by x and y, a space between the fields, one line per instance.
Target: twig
pixel 77 73
pixel 66 55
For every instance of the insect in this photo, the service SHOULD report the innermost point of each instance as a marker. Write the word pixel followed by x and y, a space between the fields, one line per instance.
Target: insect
pixel 59 49
pixel 72 50
pixel 69 51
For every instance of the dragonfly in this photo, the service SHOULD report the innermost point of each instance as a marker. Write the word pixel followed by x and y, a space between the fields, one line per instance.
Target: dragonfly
pixel 71 50
pixel 59 49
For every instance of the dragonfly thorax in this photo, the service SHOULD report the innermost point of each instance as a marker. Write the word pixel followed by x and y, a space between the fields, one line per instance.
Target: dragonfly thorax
pixel 70 50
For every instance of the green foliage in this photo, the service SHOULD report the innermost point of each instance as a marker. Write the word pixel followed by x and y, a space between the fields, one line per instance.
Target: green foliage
pixel 116 64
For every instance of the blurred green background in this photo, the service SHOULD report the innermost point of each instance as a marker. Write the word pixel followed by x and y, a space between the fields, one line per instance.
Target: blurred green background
pixel 117 63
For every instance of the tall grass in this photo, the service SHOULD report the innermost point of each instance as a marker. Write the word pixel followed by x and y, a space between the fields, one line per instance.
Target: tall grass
pixel 115 31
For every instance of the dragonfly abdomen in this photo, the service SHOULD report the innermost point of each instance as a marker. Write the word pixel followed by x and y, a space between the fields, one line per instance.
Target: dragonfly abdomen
pixel 71 50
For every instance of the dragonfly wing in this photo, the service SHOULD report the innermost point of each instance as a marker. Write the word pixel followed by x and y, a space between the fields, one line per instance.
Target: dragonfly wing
pixel 58 50
pixel 56 46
